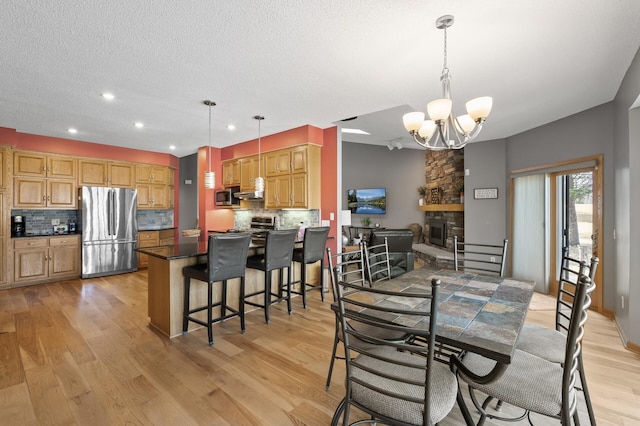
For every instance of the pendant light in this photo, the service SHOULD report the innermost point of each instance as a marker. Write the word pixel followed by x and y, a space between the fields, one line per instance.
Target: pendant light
pixel 259 182
pixel 210 175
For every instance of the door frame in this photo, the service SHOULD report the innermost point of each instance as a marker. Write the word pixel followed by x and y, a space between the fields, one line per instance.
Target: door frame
pixel 559 168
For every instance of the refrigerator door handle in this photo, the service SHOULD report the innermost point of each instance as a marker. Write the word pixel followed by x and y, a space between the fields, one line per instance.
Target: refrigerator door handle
pixel 110 212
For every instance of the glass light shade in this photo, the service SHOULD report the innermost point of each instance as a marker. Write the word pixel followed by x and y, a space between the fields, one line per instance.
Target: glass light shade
pixel 259 184
pixel 479 108
pixel 427 129
pixel 209 180
pixel 466 123
pixel 439 109
pixel 413 121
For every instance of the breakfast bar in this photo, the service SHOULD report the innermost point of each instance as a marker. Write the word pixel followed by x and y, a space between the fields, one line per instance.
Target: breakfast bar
pixel 166 283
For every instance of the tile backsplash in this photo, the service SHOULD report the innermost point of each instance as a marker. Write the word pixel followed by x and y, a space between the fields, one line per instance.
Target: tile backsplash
pixel 39 221
pixel 287 219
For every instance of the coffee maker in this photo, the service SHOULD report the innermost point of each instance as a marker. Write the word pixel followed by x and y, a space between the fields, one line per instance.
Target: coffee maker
pixel 18 226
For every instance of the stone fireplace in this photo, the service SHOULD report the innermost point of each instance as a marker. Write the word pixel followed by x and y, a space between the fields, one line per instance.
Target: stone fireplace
pixel 442 170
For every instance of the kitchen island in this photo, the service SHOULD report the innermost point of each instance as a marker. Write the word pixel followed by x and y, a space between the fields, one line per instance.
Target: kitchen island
pixel 166 283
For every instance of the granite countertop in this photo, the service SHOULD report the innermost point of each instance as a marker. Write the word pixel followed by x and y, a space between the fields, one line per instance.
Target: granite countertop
pixel 155 228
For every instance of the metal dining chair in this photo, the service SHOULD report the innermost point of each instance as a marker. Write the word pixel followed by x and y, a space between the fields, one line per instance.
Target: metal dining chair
pixel 393 382
pixel 532 383
pixel 481 258
pixel 377 261
pixel 549 344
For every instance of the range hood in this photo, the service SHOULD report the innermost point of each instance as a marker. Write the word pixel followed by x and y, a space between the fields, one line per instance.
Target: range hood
pixel 251 196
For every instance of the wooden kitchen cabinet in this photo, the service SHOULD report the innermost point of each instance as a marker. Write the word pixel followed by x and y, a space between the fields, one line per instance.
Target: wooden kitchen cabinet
pixel 300 187
pixel 38 193
pixel 277 162
pixel 46 259
pixel 147 239
pixel 36 164
pixel 153 197
pixel 95 172
pixel 147 173
pixel 231 173
pixel 249 170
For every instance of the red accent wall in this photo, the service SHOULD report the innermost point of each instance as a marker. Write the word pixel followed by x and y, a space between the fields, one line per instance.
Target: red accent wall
pixel 329 176
pixel 297 136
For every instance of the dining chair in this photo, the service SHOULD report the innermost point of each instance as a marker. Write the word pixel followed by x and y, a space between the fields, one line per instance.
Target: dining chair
pixel 532 383
pixel 487 259
pixel 278 254
pixel 549 344
pixel 377 261
pixel 395 383
pixel 312 251
pixel 349 267
pixel 226 259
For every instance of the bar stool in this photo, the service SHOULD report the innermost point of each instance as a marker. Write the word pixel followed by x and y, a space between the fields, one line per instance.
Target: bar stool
pixel 278 252
pixel 312 250
pixel 226 254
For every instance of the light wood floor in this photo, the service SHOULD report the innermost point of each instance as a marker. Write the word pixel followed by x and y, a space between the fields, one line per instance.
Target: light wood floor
pixel 81 352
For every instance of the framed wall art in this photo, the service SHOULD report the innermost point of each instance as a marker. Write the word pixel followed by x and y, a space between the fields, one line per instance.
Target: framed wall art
pixel 485 193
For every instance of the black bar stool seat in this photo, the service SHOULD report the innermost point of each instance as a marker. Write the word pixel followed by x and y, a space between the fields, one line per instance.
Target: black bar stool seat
pixel 226 259
pixel 278 253
pixel 312 251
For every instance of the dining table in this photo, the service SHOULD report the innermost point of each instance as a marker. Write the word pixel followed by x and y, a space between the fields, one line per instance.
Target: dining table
pixel 476 313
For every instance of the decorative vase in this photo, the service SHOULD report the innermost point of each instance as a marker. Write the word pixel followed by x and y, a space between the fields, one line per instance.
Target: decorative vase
pixel 421 201
pixel 462 198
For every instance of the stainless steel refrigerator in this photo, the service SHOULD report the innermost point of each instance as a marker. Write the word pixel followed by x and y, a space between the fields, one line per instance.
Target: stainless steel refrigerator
pixel 109 230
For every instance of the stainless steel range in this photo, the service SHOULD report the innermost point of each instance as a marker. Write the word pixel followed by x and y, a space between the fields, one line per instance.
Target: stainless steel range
pixel 260 225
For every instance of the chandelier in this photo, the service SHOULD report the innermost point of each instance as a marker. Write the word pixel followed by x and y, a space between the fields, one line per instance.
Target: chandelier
pixel 259 182
pixel 444 130
pixel 210 175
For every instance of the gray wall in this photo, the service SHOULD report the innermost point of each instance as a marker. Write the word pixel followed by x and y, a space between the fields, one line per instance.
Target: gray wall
pixel 188 202
pixel 584 134
pixel 400 171
pixel 627 207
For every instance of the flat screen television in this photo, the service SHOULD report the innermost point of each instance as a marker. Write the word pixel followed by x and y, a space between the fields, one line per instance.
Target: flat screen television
pixel 367 201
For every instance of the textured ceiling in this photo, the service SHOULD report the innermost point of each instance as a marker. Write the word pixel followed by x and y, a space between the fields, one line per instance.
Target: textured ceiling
pixel 300 62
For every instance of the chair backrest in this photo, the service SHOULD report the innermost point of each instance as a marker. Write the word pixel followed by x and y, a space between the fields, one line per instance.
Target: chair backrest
pixel 350 268
pixel 570 271
pixel 575 333
pixel 377 261
pixel 227 256
pixel 278 249
pixel 397 371
pixel 487 259
pixel 315 240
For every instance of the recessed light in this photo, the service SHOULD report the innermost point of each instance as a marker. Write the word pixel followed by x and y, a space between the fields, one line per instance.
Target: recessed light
pixel 355 131
pixel 231 127
pixel 172 147
pixel 72 130
pixel 108 96
pixel 139 125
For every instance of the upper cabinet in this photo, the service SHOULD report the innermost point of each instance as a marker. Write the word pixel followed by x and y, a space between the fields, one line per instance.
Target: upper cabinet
pixel 94 172
pixel 41 165
pixel 299 185
pixel 231 172
pixel 146 173
pixel 249 170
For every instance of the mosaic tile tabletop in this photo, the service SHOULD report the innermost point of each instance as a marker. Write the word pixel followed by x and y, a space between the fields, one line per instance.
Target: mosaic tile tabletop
pixel 482 314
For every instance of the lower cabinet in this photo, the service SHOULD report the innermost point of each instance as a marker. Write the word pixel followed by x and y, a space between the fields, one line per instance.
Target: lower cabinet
pixel 163 237
pixel 46 259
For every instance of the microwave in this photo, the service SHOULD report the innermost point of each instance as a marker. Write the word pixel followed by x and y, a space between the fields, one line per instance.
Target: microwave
pixel 224 197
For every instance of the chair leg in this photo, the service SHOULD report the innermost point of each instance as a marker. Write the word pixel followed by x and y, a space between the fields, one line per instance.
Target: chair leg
pixel 241 304
pixel 267 295
pixel 223 304
pixel 185 312
pixel 209 313
pixel 289 289
pixel 333 355
pixel 322 279
pixel 303 284
pixel 585 391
